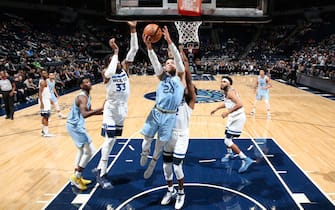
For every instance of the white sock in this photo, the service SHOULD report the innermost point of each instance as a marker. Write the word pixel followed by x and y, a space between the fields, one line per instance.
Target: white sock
pixel 181 191
pixel 242 155
pixel 103 167
pixel 45 129
pixel 170 189
pixel 78 174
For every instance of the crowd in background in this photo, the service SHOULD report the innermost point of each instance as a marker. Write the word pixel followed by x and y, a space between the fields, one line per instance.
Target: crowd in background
pixel 77 50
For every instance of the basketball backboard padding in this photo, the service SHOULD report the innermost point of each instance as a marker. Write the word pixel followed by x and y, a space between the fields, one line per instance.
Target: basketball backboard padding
pixel 167 11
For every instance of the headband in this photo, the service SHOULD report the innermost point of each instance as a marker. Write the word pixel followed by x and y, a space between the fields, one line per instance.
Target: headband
pixel 226 80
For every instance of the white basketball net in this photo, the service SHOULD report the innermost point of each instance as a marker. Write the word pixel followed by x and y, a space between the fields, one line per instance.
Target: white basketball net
pixel 188 31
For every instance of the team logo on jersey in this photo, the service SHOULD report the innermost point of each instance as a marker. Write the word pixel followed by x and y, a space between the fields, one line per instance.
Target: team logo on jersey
pixel 203 96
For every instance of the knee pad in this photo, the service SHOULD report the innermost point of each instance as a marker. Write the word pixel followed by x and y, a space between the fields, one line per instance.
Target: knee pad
pixel 228 135
pixel 167 159
pixel 178 170
pixel 228 142
pixel 177 161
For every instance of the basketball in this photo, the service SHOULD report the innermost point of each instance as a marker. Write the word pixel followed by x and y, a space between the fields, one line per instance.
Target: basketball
pixel 154 31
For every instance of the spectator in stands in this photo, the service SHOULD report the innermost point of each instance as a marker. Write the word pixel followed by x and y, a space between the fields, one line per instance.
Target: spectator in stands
pixel 31 87
pixel 7 88
pixel 20 92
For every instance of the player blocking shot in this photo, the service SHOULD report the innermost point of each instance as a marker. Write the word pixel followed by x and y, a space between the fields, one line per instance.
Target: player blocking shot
pixel 116 79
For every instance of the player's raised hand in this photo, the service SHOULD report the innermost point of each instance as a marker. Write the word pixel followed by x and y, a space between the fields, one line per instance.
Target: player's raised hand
pixel 147 41
pixel 113 45
pixel 166 35
pixel 132 24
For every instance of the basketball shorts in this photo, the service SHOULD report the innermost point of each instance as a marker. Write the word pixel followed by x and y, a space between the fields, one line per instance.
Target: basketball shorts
pixel 178 144
pixel 235 124
pixel 113 119
pixel 78 135
pixel 54 98
pixel 160 123
pixel 46 111
pixel 262 94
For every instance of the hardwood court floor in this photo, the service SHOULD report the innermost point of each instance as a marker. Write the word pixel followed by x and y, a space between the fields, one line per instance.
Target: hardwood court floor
pixel 33 169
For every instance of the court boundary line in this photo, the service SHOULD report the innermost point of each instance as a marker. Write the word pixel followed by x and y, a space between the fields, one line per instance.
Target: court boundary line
pixel 274 170
pixel 119 207
pixel 108 169
pixel 311 180
pixel 126 143
pixel 68 182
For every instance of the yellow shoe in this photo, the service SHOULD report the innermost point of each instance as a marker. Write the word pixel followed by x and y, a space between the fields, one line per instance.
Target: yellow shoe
pixel 85 181
pixel 77 182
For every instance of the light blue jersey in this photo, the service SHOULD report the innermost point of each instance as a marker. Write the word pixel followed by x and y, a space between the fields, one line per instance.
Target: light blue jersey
pixel 169 93
pixel 75 123
pixel 51 85
pixel 262 93
pixel 162 117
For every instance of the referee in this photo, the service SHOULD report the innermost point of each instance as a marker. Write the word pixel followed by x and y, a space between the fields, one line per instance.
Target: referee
pixel 7 88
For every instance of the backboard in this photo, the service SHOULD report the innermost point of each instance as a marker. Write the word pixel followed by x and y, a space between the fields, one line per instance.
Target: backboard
pixel 231 11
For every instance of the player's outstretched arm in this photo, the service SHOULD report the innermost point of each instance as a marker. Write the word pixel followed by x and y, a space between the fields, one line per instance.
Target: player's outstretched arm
pixel 111 69
pixel 222 106
pixel 174 51
pixel 133 42
pixel 152 56
pixel 81 102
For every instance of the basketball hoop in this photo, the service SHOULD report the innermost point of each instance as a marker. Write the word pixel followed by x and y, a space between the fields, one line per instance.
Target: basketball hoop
pixel 189 7
pixel 188 33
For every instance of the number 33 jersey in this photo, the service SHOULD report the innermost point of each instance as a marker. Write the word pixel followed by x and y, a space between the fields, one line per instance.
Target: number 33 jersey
pixel 118 88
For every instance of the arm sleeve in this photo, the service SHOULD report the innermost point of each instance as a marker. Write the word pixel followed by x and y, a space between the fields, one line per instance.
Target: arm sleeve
pixel 111 69
pixel 177 58
pixel 133 47
pixel 155 62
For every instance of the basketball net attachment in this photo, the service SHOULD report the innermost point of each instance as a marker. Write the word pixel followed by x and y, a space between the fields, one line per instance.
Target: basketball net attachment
pixel 188 33
pixel 189 7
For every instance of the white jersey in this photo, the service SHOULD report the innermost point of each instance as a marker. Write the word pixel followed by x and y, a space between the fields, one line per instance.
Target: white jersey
pixel 183 116
pixel 230 104
pixel 236 119
pixel 180 136
pixel 118 88
pixel 46 96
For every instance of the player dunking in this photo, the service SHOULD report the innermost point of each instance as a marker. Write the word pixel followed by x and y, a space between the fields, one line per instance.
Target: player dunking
pixel 116 106
pixel 235 122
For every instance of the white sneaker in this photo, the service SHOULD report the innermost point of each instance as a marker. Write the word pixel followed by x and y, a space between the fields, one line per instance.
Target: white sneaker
pixel 61 116
pixel 150 169
pixel 168 197
pixel 252 113
pixel 179 201
pixel 48 135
